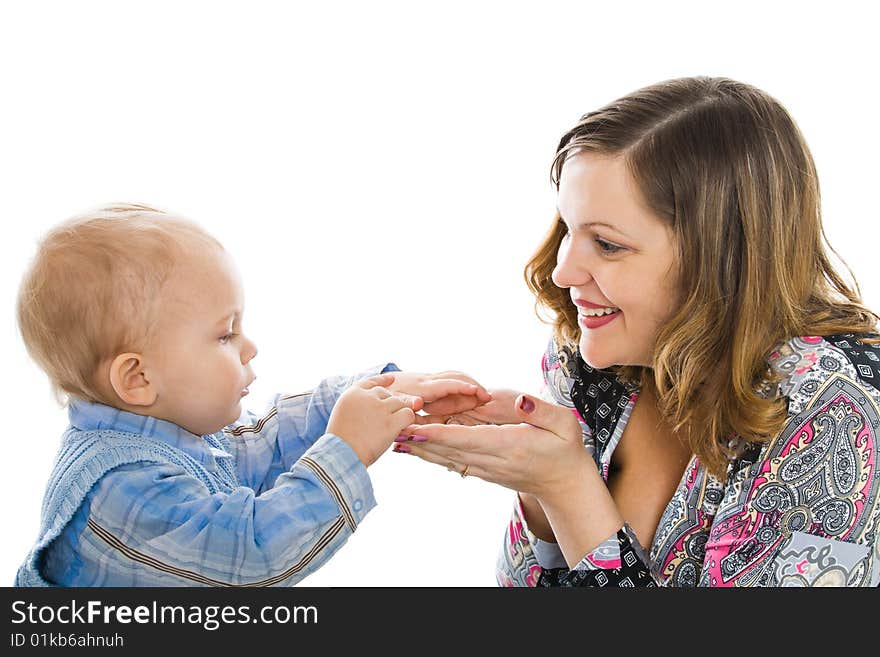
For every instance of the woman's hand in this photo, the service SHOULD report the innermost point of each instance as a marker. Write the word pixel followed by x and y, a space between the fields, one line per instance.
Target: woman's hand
pixel 449 391
pixel 500 410
pixel 543 456
pixel 540 455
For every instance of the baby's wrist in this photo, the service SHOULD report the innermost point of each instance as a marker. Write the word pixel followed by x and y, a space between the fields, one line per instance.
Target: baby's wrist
pixel 364 455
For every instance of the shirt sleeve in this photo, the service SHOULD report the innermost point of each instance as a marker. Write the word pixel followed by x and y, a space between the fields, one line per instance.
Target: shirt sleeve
pixel 518 561
pixel 619 560
pixel 154 524
pixel 526 560
pixel 805 511
pixel 266 446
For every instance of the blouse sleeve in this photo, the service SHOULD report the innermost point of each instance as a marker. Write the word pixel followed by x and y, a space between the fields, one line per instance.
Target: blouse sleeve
pixel 617 561
pixel 805 512
pixel 269 445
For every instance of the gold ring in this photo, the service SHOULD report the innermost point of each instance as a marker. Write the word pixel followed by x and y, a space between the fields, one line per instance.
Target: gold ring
pixel 464 472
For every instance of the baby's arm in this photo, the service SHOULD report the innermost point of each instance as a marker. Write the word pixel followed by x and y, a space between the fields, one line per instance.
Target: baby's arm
pixel 269 445
pixel 156 525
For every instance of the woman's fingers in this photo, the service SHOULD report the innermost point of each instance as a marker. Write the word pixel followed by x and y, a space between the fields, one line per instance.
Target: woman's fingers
pixel 544 415
pixel 476 465
pixel 440 451
pixel 469 419
pixel 490 413
pixel 501 409
pixel 465 419
pixel 479 439
pixel 527 456
pixel 430 456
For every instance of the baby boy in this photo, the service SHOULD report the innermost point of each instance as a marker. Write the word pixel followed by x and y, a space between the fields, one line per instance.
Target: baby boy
pixel 136 317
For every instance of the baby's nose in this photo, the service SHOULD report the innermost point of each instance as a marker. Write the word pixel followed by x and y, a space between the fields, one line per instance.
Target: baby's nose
pixel 248 352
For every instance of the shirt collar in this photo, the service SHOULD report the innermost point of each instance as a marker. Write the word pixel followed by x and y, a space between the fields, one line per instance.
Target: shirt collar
pixel 90 416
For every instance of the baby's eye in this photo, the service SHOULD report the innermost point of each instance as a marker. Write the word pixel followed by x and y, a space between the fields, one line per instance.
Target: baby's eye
pixel 607 248
pixel 226 338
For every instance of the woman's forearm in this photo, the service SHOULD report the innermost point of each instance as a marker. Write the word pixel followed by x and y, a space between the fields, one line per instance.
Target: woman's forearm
pixel 535 518
pixel 581 516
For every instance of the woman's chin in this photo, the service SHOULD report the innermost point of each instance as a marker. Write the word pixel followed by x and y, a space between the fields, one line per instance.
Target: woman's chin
pixel 600 360
pixel 595 358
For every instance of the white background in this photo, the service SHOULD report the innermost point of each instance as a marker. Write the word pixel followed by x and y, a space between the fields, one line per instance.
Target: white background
pixel 381 173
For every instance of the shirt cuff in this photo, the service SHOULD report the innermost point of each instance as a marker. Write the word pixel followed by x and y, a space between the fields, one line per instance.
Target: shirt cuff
pixel 340 471
pixel 609 555
pixel 547 554
pixel 374 371
pixel 605 556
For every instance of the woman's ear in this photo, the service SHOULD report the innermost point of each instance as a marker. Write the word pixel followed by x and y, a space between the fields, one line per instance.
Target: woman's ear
pixel 129 380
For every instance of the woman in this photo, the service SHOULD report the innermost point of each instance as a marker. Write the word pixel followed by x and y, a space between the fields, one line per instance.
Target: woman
pixel 728 444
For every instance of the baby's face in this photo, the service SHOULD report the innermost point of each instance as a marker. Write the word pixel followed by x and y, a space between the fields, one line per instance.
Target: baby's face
pixel 200 355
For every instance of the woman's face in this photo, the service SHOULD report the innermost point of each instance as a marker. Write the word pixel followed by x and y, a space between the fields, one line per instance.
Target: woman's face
pixel 616 255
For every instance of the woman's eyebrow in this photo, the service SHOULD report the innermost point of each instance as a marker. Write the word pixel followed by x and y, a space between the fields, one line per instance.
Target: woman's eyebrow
pixel 597 223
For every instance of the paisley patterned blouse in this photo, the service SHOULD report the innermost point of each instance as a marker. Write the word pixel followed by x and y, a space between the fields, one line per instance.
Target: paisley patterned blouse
pixel 800 510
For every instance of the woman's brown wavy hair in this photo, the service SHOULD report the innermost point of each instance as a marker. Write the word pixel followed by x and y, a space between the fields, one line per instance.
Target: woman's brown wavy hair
pixel 727 167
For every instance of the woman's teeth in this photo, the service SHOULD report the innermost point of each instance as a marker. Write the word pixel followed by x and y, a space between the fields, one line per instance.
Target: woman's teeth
pixel 596 312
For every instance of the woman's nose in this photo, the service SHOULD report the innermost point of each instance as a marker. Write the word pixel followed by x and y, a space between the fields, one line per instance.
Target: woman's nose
pixel 570 271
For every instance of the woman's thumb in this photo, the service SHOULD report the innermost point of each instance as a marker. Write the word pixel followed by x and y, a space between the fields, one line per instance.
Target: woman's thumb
pixel 544 415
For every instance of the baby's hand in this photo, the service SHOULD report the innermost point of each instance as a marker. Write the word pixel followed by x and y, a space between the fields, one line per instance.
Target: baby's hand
pixel 369 417
pixel 444 392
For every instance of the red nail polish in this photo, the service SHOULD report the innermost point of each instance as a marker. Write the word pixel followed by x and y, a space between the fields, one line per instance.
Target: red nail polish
pixel 527 405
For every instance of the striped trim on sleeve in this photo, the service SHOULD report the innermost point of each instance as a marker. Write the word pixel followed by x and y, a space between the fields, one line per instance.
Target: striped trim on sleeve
pixel 332 487
pixel 135 555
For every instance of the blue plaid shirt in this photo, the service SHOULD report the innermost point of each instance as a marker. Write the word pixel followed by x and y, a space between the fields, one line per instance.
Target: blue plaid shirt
pixel 288 495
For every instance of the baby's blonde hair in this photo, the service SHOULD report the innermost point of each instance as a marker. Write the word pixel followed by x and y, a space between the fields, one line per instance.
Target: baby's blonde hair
pixel 92 290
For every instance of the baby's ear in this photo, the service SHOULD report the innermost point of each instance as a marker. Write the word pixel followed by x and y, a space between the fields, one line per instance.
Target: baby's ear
pixel 129 380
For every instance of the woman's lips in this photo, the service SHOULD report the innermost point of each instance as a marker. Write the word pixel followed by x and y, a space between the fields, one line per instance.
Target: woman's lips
pixel 583 303
pixel 589 322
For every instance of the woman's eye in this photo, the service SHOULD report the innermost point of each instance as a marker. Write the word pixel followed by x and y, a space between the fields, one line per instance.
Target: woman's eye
pixel 607 247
